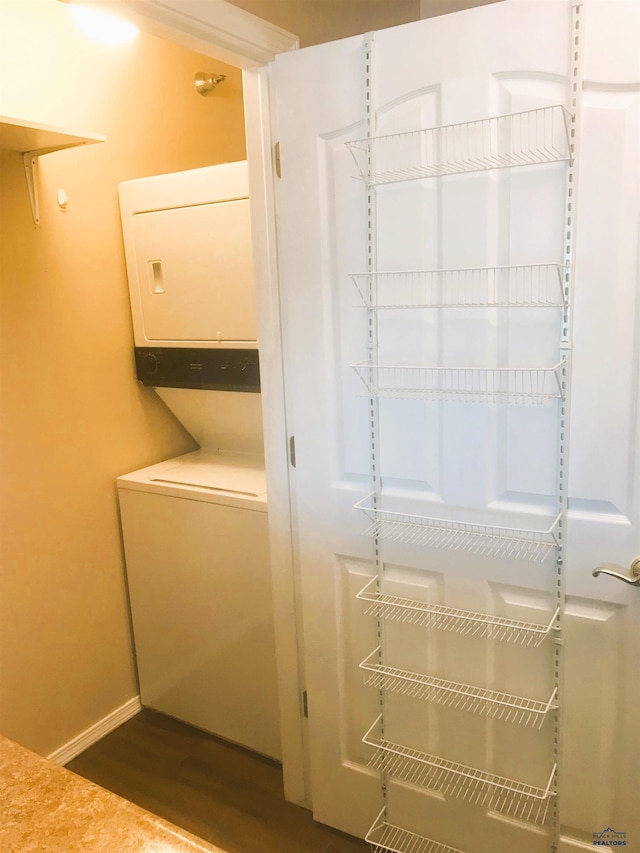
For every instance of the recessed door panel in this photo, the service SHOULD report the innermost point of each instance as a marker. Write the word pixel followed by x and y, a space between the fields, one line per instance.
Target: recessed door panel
pixel 195 272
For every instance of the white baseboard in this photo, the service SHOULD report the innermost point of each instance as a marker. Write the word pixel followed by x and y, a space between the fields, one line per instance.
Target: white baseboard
pixel 98 730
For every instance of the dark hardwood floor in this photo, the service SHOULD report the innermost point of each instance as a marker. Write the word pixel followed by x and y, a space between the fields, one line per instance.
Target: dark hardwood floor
pixel 218 791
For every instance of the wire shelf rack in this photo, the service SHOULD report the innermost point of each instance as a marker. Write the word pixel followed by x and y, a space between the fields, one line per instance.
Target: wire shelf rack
pixel 465 697
pixel 518 139
pixel 523 385
pixel 487 539
pixel 386 836
pixel 478 625
pixel 522 286
pixel 488 790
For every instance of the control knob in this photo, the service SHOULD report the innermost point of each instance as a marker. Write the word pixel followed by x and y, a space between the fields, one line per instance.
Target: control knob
pixel 150 363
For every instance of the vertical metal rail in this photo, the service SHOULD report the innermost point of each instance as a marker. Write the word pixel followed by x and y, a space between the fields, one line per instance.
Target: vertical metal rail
pixel 372 354
pixel 566 337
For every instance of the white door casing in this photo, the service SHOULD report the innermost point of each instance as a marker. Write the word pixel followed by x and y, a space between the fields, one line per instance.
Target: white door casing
pixel 454 457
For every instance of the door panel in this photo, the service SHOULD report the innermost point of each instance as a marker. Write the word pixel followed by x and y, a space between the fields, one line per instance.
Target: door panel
pixel 196 285
pixel 464 460
pixel 595 634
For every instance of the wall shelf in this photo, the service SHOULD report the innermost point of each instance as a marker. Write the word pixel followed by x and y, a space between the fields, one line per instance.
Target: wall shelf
pixel 33 140
pixel 465 697
pixel 436 616
pixel 527 138
pixel 521 286
pixel 452 779
pixel 37 139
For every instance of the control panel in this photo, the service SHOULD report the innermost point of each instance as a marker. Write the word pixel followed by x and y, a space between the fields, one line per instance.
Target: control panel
pixel 204 369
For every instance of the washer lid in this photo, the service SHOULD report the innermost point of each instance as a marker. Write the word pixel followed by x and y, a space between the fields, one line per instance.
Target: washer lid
pixel 234 473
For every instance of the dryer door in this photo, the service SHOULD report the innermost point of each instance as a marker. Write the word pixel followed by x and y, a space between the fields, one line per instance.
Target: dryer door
pixel 195 271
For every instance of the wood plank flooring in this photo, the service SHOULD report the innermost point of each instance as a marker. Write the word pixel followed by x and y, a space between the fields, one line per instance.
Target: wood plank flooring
pixel 218 791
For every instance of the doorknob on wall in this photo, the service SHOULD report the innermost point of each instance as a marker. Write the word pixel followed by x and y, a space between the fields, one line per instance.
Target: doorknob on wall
pixel 610 569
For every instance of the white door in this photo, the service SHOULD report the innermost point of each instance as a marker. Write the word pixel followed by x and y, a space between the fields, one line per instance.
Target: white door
pixel 467 461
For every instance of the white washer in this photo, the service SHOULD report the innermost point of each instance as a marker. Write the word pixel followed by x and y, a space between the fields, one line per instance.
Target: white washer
pixel 196 547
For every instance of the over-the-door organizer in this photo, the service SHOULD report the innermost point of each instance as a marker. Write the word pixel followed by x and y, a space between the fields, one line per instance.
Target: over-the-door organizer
pixel 536 136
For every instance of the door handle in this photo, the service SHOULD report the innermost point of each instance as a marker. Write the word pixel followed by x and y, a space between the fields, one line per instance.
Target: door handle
pixel 610 569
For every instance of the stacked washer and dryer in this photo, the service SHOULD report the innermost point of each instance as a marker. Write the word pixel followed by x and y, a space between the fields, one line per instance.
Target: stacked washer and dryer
pixel 195 527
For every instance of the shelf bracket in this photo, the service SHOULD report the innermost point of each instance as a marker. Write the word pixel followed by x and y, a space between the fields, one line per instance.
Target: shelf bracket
pixel 30 161
pixel 32 140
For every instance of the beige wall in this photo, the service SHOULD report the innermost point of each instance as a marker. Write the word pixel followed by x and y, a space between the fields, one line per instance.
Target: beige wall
pixel 431 8
pixel 72 416
pixel 316 21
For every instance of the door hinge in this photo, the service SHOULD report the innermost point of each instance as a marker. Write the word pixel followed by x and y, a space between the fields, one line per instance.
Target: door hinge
pixel 292 451
pixel 276 150
pixel 305 704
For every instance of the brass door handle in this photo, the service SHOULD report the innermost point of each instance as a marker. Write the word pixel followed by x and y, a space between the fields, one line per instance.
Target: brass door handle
pixel 610 569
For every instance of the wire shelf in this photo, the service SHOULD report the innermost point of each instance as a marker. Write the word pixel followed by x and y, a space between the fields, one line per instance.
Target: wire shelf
pixel 385 836
pixel 518 139
pixel 522 286
pixel 524 385
pixel 487 539
pixel 496 793
pixel 465 697
pixel 479 625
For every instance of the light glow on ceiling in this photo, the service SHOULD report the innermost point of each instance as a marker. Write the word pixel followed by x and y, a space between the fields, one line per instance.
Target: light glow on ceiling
pixel 102 26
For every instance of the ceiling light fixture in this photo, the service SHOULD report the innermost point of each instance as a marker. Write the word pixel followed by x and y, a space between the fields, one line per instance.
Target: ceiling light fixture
pixel 206 83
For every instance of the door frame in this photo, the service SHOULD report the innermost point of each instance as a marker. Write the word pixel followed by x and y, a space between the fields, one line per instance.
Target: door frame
pixel 229 34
